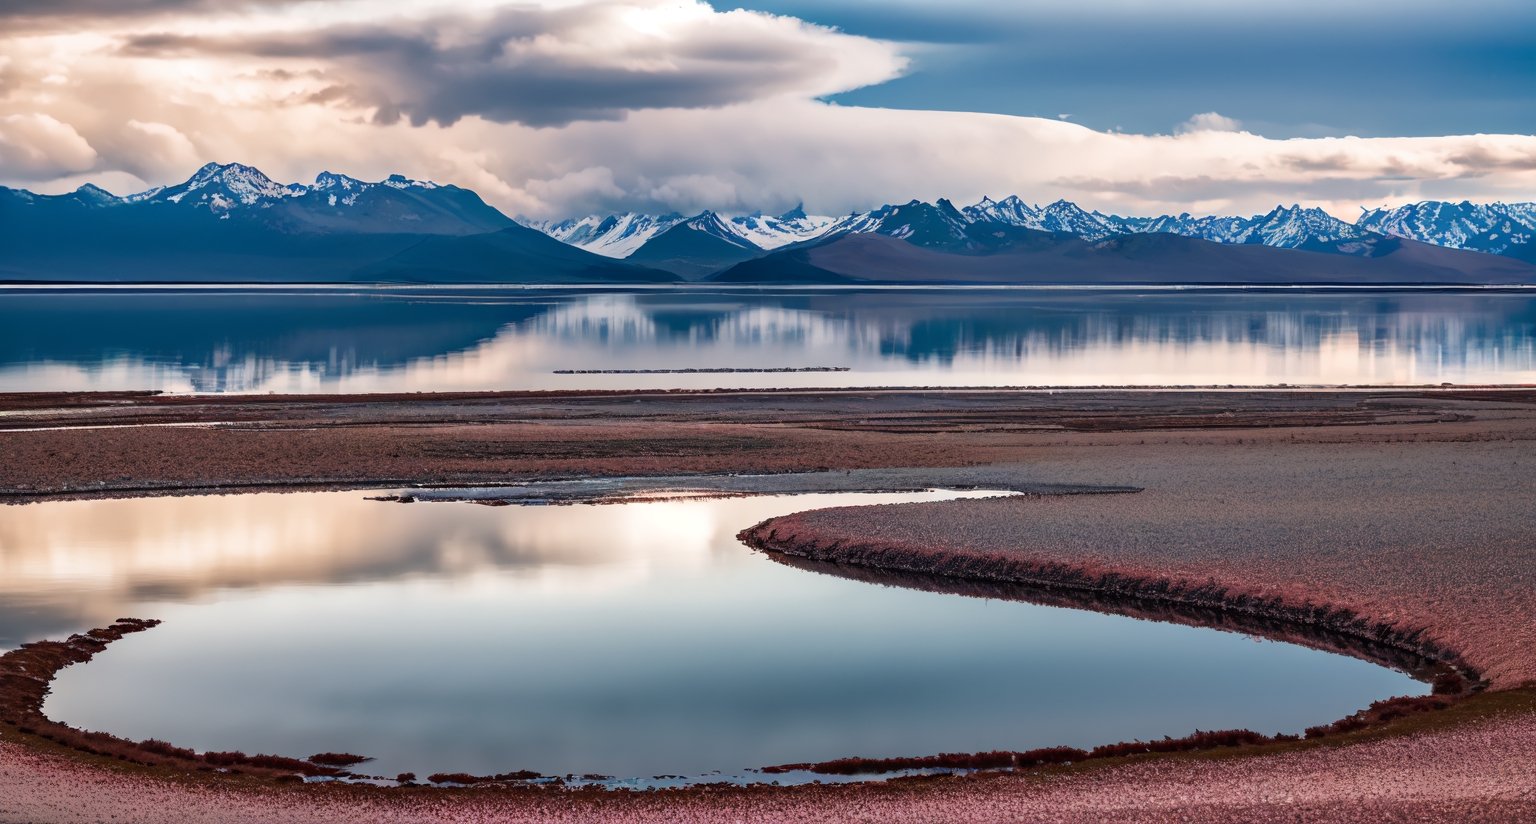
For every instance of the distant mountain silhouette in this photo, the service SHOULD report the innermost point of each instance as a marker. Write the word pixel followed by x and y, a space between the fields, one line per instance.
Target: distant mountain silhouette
pixel 696 247
pixel 1034 257
pixel 232 223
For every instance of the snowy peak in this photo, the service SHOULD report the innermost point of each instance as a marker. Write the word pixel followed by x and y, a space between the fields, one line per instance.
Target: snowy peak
pixel 938 225
pixel 239 195
pixel 399 181
pixel 1066 216
pixel 326 181
pixel 1485 227
pixel 772 232
pixel 615 236
pixel 1294 227
pixel 225 187
pixel 1010 210
pixel 711 224
pixel 343 190
pixel 620 235
pixel 93 195
pixel 797 213
pixel 1290 227
pixel 221 187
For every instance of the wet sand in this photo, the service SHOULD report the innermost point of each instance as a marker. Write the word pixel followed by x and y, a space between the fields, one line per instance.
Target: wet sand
pixel 1407 510
pixel 83 444
pixel 1473 768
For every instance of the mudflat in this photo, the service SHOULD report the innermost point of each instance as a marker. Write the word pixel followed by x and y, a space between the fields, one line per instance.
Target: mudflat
pixel 1399 513
pixel 135 443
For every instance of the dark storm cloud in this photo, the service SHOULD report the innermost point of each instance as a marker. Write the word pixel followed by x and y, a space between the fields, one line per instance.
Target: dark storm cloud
pixel 549 67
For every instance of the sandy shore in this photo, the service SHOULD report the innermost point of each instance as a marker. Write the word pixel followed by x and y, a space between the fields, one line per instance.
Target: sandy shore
pixel 1429 538
pixel 1407 510
pixel 72 444
pixel 1474 768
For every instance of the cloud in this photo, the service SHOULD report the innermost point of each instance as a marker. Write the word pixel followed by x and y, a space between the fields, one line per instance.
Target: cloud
pixel 549 66
pixel 1209 122
pixel 838 158
pixel 119 8
pixel 661 106
pixel 590 187
pixel 39 147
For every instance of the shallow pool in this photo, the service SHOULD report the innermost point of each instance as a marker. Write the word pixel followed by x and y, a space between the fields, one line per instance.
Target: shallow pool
pixel 631 639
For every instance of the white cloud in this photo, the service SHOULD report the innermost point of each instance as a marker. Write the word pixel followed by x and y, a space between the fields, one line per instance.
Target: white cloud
pixel 39 147
pixel 1209 122
pixel 151 150
pixel 590 187
pixel 731 146
pixel 551 65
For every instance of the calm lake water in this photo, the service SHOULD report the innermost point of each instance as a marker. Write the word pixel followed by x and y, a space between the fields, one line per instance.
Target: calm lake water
pixel 370 341
pixel 629 639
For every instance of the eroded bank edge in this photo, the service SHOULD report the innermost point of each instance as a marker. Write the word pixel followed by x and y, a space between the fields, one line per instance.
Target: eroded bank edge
pixel 1329 628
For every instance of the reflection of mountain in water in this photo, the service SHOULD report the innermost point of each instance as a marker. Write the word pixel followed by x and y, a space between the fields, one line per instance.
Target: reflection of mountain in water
pixel 239 342
pixel 374 342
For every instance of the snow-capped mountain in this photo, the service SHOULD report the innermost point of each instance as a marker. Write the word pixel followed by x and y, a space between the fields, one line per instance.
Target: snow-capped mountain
pixel 774 231
pixel 1061 216
pixel 1498 227
pixel 1485 227
pixel 1287 227
pixel 614 236
pixel 231 219
pixel 619 235
pixel 934 225
pixel 232 222
pixel 1010 210
pixel 235 191
pixel 220 188
pixel 710 224
pixel 1066 216
pixel 1295 228
pixel 696 247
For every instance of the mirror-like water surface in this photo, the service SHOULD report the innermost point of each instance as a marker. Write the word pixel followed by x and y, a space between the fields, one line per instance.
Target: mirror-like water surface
pixel 628 639
pixel 377 341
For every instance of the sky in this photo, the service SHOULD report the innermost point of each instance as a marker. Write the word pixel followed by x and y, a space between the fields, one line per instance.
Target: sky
pixel 566 107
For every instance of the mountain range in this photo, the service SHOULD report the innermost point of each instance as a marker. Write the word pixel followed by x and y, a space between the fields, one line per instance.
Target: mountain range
pixel 230 222
pixel 1497 228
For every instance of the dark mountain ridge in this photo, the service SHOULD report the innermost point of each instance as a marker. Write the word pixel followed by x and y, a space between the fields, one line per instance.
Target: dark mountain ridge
pixel 232 223
pixel 1044 258
pixel 695 248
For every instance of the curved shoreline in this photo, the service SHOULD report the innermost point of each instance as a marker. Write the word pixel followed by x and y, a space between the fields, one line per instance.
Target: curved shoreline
pixel 26 673
pixel 1469 598
pixel 1333 628
pixel 1406 659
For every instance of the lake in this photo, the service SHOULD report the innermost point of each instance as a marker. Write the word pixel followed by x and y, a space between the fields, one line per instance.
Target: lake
pixel 445 339
pixel 630 639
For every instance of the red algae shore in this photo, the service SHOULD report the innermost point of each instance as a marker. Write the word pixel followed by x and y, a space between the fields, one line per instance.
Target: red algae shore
pixel 73 445
pixel 1429 544
pixel 1399 518
pixel 1473 767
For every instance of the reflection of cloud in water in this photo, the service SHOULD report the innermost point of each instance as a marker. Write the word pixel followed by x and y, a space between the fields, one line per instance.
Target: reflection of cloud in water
pixel 983 341
pixel 120 373
pixel 73 562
